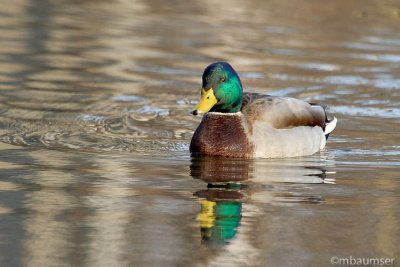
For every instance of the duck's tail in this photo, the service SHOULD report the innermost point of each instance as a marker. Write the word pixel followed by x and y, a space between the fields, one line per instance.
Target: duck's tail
pixel 329 127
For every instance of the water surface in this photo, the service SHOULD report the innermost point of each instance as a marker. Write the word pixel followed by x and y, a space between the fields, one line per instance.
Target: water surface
pixel 95 126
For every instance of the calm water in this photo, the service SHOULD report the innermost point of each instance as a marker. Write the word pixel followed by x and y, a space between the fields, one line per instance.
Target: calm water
pixel 95 126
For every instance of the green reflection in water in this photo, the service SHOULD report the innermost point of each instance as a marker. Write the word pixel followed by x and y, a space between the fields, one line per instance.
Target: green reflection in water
pixel 219 220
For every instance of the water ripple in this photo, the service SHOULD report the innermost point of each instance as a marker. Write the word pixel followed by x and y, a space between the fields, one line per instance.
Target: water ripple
pixel 368 111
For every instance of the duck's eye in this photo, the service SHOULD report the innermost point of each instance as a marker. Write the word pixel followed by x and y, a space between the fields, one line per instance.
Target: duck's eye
pixel 222 80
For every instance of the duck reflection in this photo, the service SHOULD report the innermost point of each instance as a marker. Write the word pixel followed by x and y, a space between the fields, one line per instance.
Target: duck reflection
pixel 219 220
pixel 221 202
pixel 232 182
pixel 216 170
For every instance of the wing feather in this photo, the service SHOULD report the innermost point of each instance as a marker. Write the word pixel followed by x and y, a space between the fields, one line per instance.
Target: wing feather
pixel 282 112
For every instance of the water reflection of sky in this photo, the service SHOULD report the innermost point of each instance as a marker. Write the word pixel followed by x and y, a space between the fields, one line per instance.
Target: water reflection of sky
pixel 95 126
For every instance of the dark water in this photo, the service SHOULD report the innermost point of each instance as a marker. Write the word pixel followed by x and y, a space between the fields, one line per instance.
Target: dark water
pixel 95 126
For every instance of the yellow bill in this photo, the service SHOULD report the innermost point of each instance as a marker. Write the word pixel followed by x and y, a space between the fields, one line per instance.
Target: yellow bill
pixel 208 100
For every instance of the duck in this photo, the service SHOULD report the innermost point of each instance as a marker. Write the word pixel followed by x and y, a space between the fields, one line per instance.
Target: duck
pixel 252 125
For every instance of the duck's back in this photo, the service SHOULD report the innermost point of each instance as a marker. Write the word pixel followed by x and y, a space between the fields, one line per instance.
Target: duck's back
pixel 282 112
pixel 284 127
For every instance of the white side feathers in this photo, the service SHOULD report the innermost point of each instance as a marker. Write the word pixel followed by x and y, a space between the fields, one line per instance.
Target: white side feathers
pixel 330 126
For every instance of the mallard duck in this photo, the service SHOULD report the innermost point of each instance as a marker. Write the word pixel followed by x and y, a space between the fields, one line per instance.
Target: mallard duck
pixel 250 125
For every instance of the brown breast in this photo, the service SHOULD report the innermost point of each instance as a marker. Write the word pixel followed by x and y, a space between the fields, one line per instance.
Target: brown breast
pixel 221 135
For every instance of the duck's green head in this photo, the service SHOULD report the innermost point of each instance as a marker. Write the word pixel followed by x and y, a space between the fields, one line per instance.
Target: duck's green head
pixel 222 90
